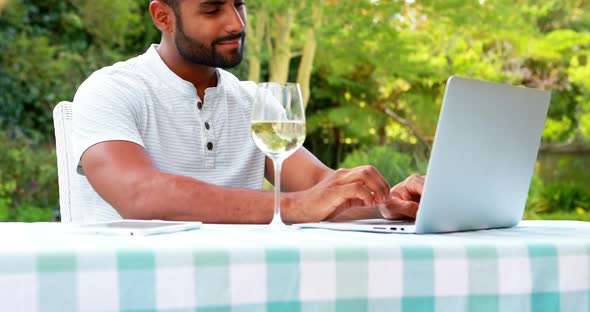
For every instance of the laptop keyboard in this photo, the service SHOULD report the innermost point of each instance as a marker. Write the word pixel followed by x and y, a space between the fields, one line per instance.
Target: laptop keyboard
pixel 383 222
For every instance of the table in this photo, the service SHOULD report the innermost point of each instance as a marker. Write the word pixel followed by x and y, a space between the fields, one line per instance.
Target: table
pixel 537 266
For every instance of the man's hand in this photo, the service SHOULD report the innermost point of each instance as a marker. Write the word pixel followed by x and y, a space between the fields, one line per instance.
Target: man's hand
pixel 404 199
pixel 337 192
pixel 402 203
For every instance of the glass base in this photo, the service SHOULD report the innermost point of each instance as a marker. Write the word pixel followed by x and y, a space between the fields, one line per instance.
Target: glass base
pixel 277 224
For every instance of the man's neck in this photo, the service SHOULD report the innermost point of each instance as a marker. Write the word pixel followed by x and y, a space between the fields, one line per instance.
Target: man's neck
pixel 202 77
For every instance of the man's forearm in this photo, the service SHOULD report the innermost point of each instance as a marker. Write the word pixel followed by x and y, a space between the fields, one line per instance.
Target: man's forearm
pixel 170 197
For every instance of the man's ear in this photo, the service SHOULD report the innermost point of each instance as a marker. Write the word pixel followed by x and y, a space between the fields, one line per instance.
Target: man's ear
pixel 163 16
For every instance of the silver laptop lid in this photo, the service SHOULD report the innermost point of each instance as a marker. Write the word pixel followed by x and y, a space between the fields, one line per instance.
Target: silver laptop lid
pixel 483 156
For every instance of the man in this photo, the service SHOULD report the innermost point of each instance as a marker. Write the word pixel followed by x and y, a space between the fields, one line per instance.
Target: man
pixel 166 135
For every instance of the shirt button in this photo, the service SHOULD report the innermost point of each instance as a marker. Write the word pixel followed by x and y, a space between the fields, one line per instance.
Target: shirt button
pixel 200 105
pixel 210 146
pixel 207 125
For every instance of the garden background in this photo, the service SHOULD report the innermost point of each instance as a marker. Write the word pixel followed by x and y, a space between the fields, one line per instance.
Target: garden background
pixel 373 73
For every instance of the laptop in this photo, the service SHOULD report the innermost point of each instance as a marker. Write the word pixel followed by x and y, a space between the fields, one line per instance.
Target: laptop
pixel 481 163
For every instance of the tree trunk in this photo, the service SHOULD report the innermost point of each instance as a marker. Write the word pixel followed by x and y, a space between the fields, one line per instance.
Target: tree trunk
pixel 306 65
pixel 256 30
pixel 382 135
pixel 281 48
pixel 309 50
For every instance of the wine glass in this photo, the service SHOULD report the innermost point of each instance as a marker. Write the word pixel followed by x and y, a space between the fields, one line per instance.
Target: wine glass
pixel 278 129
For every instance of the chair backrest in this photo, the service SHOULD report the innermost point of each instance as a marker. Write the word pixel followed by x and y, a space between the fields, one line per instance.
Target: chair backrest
pixel 69 196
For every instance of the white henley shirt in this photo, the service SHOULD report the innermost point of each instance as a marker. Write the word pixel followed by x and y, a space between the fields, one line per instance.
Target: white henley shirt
pixel 142 101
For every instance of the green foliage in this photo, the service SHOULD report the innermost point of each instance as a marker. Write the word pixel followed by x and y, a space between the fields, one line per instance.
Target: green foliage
pixel 394 165
pixel 422 43
pixel 28 179
pixel 558 130
pixel 123 22
pixel 557 197
pixel 378 79
pixel 50 47
pixel 359 124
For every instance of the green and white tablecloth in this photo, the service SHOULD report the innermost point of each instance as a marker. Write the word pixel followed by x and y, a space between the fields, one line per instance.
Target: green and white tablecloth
pixel 537 266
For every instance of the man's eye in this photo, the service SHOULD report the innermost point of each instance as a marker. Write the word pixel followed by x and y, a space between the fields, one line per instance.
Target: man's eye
pixel 239 4
pixel 212 12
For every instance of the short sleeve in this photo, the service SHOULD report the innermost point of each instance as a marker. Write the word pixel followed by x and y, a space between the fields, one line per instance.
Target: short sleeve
pixel 249 87
pixel 105 108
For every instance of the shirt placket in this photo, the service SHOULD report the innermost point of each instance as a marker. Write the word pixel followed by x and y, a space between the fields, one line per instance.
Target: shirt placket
pixel 208 130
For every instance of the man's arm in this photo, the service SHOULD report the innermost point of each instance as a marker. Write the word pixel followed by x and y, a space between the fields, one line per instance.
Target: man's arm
pixel 125 176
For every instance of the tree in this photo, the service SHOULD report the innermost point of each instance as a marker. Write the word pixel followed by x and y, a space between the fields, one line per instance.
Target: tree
pixel 280 31
pixel 394 59
pixel 50 47
pixel 374 71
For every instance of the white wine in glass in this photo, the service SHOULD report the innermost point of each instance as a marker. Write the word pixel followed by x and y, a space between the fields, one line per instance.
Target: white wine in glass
pixel 278 129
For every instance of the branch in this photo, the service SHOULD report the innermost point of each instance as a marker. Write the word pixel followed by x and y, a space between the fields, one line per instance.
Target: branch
pixel 568 147
pixel 404 122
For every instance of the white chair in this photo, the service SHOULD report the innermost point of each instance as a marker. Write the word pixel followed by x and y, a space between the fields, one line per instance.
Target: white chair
pixel 69 197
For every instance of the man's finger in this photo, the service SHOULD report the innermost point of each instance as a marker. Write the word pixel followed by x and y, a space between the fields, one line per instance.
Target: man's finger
pixel 405 207
pixel 415 184
pixel 369 177
pixel 410 189
pixel 356 191
pixel 400 192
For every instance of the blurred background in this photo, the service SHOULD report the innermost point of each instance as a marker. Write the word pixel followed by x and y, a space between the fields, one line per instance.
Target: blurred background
pixel 373 73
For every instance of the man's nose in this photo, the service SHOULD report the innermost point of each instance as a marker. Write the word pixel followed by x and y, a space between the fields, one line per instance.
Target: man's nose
pixel 236 21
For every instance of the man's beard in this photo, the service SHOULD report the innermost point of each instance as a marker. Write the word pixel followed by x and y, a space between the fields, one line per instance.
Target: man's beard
pixel 198 53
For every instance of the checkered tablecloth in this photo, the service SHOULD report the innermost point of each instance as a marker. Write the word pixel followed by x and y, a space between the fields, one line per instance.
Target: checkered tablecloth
pixel 537 266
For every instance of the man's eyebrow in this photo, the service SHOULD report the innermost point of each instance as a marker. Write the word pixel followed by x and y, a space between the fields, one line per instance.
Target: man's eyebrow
pixel 209 3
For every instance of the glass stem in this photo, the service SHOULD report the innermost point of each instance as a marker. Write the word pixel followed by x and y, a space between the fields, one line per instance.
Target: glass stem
pixel 276 219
